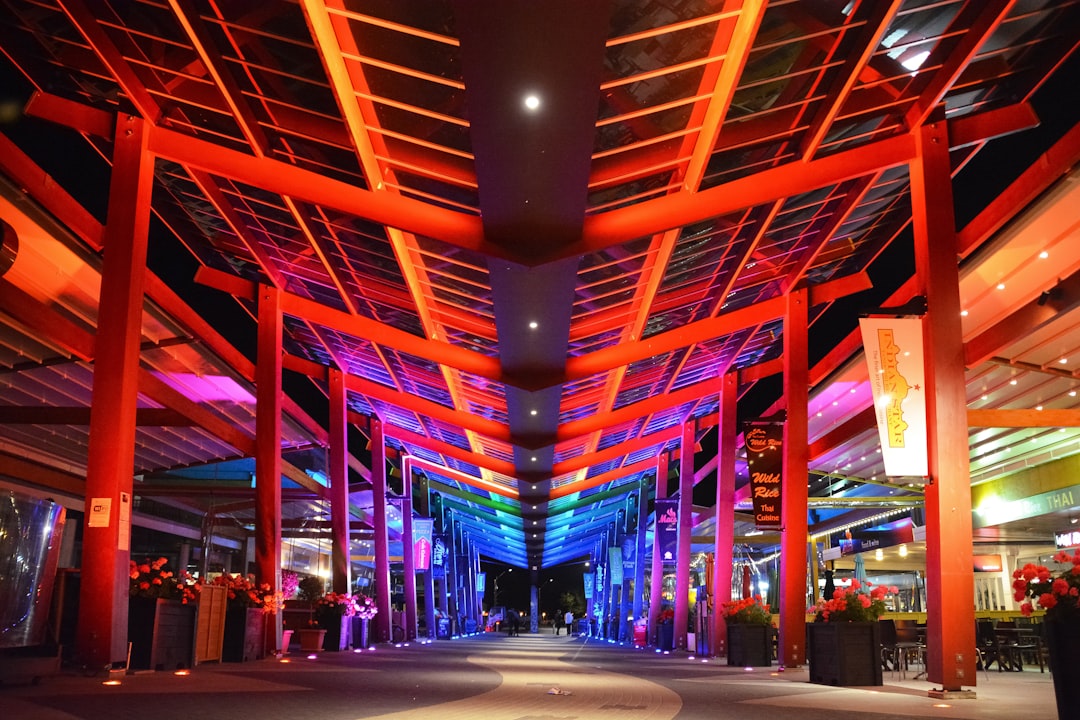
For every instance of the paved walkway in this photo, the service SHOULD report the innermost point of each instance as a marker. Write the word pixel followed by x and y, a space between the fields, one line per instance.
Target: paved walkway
pixel 493 677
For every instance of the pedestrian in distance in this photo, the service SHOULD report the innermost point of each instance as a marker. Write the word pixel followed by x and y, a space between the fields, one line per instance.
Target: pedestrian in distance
pixel 569 620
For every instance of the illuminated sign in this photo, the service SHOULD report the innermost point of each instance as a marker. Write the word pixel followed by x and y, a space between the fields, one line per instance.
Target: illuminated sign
pixel 894 359
pixel 987 563
pixel 764 451
pixel 994 511
pixel 1067 539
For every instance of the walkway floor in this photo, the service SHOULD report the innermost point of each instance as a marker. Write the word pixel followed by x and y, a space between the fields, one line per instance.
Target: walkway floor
pixel 493 677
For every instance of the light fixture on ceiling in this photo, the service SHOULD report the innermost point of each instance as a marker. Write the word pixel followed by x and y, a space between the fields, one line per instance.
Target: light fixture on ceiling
pixel 879 554
pixel 903 551
pixel 532 102
pixel 533 324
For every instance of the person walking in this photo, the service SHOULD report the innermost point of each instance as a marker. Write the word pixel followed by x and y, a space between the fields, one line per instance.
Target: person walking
pixel 557 622
pixel 514 622
pixel 569 620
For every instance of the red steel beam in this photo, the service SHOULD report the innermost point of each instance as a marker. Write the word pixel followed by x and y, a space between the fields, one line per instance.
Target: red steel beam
pixel 603 478
pixel 362 327
pixel 702 330
pixel 74 415
pixel 444 448
pixel 398 211
pixel 616 451
pixel 605 230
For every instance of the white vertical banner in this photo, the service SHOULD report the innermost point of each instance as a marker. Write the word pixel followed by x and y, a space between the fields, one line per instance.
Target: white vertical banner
pixel 894 357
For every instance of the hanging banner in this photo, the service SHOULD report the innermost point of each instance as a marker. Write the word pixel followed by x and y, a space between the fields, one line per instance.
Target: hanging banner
pixel 765 458
pixel 422 543
pixel 615 563
pixel 481 582
pixel 589 580
pixel 667 529
pixel 894 358
pixel 629 553
pixel 440 553
pixel 899 532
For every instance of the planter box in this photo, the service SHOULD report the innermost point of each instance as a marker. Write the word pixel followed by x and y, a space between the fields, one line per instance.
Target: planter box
pixel 844 653
pixel 665 636
pixel 337 633
pixel 161 633
pixel 749 645
pixel 310 639
pixel 245 633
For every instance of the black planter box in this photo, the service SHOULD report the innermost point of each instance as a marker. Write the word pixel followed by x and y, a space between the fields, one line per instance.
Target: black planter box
pixel 749 645
pixel 844 653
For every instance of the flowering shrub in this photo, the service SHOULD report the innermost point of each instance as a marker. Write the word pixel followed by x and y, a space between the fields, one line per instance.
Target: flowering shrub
pixel 290 584
pixel 853 604
pixel 243 591
pixel 666 616
pixel 334 605
pixel 1056 595
pixel 365 606
pixel 749 611
pixel 153 579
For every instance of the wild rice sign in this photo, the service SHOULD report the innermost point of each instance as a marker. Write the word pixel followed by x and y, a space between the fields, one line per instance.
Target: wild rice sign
pixel 764 451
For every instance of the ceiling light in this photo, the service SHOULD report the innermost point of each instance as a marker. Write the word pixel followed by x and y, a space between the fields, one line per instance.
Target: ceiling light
pixel 532 412
pixel 532 102
pixel 903 551
pixel 1001 286
pixel 533 458
pixel 533 324
pixel 1038 407
pixel 963 313
pixel 879 554
pixel 915 62
pixel 1064 361
pixel 1013 381
pixel 1043 255
pixel 1072 393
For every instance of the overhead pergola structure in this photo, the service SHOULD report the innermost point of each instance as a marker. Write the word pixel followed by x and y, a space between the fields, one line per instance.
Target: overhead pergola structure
pixel 534 240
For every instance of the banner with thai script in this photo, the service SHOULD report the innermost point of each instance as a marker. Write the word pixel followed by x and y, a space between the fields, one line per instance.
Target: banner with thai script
pixel 894 359
pixel 590 581
pixel 765 460
pixel 615 563
pixel 422 528
pixel 667 529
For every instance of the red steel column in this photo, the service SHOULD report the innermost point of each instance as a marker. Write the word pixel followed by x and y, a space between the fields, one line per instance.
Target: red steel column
pixel 383 620
pixel 407 545
pixel 950 581
pixel 793 506
pixel 656 585
pixel 101 638
pixel 723 551
pixel 686 528
pixel 268 399
pixel 338 461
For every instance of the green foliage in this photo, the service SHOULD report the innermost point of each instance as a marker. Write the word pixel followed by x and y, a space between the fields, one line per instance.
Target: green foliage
pixel 312 588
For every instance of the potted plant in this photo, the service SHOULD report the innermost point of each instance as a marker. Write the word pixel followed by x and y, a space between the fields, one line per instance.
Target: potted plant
pixel 248 603
pixel 332 614
pixel 1057 593
pixel 749 632
pixel 844 641
pixel 665 629
pixel 365 610
pixel 161 616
